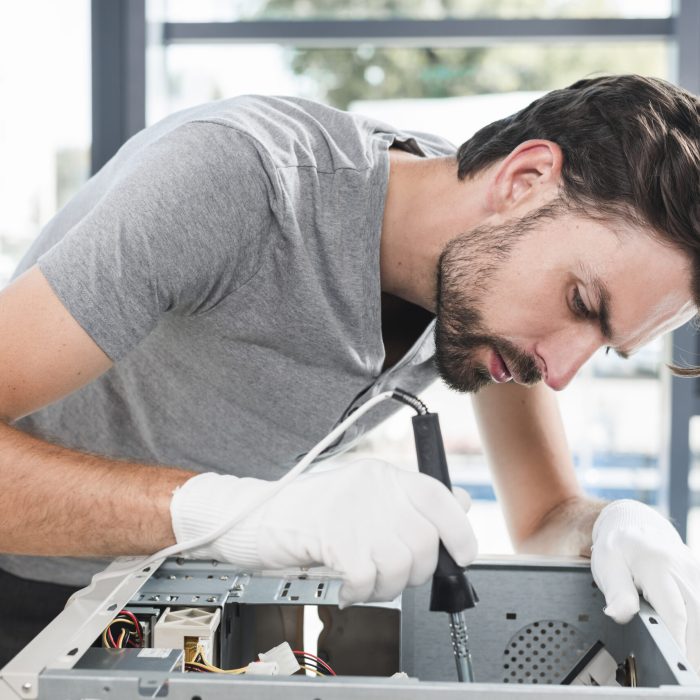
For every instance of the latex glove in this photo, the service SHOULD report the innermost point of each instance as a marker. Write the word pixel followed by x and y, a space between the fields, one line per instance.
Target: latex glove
pixel 636 549
pixel 376 525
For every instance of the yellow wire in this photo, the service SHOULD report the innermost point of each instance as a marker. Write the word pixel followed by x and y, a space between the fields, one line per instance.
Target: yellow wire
pixel 121 639
pixel 234 671
pixel 122 620
pixel 308 668
pixel 210 667
pixel 214 669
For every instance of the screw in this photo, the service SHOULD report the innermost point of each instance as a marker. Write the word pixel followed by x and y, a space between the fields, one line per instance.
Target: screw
pixel 26 687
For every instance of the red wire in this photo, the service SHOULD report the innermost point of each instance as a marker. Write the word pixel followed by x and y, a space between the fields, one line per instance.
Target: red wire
pixel 317 660
pixel 133 618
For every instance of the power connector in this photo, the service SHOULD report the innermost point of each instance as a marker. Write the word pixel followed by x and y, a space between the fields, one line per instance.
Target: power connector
pixel 284 657
pixel 262 668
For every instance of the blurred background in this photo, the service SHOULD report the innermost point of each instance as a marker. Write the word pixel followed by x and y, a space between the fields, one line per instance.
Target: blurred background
pixel 78 77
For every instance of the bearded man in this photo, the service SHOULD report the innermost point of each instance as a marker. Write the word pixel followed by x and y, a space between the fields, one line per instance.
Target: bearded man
pixel 243 274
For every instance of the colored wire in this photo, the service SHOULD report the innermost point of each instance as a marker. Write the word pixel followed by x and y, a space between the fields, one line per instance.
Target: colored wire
pixel 214 669
pixel 318 661
pixel 137 624
pixel 108 640
pixel 200 662
pixel 313 670
pixel 120 641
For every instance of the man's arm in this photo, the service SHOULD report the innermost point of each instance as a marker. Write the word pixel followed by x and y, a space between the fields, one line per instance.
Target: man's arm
pixel 53 500
pixel 636 550
pixel 523 436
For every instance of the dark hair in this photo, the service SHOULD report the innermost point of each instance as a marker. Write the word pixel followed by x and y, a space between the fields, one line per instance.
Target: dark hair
pixel 631 149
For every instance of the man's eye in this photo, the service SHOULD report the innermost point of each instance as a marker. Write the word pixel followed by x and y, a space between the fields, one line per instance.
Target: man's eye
pixel 580 307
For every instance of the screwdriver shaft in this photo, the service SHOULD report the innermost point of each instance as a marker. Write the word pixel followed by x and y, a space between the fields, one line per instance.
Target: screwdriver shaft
pixel 460 646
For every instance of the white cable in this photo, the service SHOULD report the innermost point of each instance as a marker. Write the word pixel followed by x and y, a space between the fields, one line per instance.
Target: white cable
pixel 132 566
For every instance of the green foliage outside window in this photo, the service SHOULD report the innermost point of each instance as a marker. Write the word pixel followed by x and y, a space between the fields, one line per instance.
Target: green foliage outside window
pixel 343 75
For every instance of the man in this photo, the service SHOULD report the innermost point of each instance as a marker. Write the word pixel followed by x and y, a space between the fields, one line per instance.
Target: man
pixel 212 299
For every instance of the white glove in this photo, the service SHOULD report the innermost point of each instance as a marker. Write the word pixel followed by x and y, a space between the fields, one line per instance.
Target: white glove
pixel 636 549
pixel 376 525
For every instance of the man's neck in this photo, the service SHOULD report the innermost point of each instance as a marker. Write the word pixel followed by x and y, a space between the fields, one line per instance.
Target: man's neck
pixel 426 206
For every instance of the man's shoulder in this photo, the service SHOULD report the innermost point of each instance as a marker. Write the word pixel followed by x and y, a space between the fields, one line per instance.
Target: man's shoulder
pixel 297 132
pixel 292 132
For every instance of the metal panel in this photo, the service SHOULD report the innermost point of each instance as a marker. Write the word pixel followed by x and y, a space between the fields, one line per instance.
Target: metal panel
pixel 416 32
pixel 118 75
pixel 534 590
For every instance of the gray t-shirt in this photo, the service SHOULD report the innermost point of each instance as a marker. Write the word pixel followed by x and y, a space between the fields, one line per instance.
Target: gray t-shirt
pixel 227 261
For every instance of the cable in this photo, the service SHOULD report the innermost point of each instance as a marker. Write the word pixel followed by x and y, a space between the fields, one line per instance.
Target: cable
pixel 108 640
pixel 410 400
pixel 313 670
pixel 318 660
pixel 213 669
pixel 137 624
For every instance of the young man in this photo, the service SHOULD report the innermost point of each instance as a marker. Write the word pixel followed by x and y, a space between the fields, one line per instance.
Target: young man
pixel 212 299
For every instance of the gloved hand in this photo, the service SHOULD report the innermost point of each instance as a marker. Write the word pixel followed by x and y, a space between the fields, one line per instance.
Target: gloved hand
pixel 636 549
pixel 376 525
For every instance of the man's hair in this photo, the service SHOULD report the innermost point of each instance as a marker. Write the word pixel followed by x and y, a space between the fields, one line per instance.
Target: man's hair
pixel 631 148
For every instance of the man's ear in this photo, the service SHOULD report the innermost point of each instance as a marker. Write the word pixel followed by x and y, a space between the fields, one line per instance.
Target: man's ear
pixel 530 172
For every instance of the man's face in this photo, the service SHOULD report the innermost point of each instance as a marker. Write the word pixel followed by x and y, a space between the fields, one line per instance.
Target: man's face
pixel 533 299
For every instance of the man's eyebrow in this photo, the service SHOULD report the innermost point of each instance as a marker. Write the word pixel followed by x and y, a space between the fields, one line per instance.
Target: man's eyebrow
pixel 603 295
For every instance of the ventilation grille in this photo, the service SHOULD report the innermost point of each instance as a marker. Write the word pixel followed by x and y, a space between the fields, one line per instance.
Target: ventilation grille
pixel 543 652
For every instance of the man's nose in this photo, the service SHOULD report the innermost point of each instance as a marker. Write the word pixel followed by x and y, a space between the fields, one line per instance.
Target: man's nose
pixel 564 354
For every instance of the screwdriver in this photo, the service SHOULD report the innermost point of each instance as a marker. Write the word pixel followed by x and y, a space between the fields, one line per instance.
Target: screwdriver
pixel 451 591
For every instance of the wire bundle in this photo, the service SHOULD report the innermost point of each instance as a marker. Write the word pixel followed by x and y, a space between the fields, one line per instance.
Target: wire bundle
pixel 309 662
pixel 199 664
pixel 128 629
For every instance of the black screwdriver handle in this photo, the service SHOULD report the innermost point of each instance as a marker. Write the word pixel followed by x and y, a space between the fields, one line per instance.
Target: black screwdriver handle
pixel 451 591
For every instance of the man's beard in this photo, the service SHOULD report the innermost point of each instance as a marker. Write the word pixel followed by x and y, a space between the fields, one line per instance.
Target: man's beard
pixel 465 269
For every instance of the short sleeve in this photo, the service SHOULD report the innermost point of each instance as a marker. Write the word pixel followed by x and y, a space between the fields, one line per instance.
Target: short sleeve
pixel 180 227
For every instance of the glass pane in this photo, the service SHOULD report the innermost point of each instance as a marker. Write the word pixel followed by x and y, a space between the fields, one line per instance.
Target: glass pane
pixel 232 10
pixel 45 116
pixel 354 78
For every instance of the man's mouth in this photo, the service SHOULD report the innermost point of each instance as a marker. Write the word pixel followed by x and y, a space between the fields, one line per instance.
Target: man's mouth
pixel 498 369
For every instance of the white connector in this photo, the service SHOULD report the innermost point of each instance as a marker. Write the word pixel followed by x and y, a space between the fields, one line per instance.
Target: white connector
pixel 284 657
pixel 262 668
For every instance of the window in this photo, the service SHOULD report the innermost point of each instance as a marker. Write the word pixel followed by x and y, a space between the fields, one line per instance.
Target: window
pixel 45 117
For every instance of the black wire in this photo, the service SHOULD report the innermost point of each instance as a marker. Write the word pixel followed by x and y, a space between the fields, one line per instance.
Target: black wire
pixel 410 400
pixel 308 661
